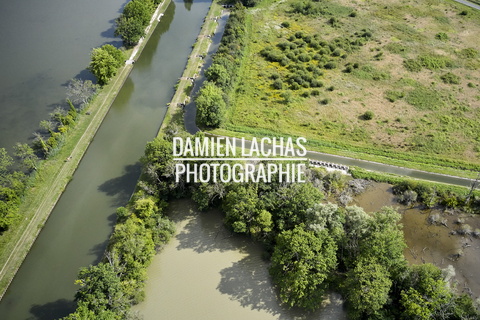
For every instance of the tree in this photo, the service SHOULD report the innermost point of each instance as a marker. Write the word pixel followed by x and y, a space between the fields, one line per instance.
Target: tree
pixel 326 217
pixel 130 30
pixel 426 294
pixel 356 226
pixel 140 10
pixel 5 162
pixel 291 203
pixel 244 212
pixel 26 154
pixel 384 240
pixel 84 313
pixel 301 263
pixel 104 62
pixel 368 286
pixel 116 53
pixel 79 92
pixel 217 74
pixel 210 105
pixel 100 289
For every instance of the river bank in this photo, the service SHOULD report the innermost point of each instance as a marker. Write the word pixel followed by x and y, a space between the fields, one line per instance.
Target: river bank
pixel 196 60
pixel 54 174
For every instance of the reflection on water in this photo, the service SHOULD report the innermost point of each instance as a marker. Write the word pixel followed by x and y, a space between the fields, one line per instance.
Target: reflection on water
pixel 206 272
pixel 433 243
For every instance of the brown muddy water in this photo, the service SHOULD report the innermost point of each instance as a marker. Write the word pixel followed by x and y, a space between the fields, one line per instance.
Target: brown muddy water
pixel 206 272
pixel 434 244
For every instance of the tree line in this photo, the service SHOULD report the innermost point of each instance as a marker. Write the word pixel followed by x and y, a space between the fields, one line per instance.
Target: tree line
pixel 18 171
pixel 315 246
pixel 130 27
pixel 212 101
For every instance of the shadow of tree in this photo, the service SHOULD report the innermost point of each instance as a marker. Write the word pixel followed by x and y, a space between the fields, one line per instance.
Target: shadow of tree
pixel 204 231
pixel 248 282
pixel 52 310
pixel 122 187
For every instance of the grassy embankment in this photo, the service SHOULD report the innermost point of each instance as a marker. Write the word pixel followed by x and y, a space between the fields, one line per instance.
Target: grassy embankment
pixel 193 66
pixel 54 174
pixel 412 65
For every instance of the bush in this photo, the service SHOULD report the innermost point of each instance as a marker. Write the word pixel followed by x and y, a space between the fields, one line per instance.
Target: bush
pixel 278 84
pixel 469 53
pixel 393 96
pixel 368 115
pixel 442 36
pixel 325 101
pixel 412 65
pixel 450 78
pixel 330 65
pixel 285 24
pixel 435 62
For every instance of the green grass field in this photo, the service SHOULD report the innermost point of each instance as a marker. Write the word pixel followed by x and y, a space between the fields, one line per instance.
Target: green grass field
pixel 314 69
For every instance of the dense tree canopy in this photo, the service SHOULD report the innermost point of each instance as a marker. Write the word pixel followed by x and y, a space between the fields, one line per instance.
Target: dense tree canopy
pixel 368 288
pixel 210 105
pixel 132 22
pixel 244 211
pixel 105 62
pixel 130 30
pixel 301 264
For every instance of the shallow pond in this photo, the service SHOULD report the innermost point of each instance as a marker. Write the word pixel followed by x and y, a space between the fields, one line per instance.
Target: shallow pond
pixel 206 272
pixel 429 243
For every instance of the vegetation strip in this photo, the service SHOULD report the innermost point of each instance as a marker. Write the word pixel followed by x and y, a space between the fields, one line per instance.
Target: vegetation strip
pixel 194 63
pixel 108 290
pixel 54 174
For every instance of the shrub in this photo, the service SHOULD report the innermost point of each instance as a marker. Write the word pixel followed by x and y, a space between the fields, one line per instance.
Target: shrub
pixel 412 65
pixel 393 96
pixel 305 94
pixel 330 65
pixel 469 53
pixel 442 36
pixel 368 115
pixel 450 78
pixel 278 84
pixel 285 24
pixel 434 62
pixel 325 101
pixel 316 83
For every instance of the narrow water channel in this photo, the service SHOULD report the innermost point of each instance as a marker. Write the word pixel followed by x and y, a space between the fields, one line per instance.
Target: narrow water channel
pixel 77 231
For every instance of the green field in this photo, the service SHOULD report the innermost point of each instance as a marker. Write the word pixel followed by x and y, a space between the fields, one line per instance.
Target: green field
pixel 322 69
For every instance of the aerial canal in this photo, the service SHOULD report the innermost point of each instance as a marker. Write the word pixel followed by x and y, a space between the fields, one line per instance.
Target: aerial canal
pixel 78 229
